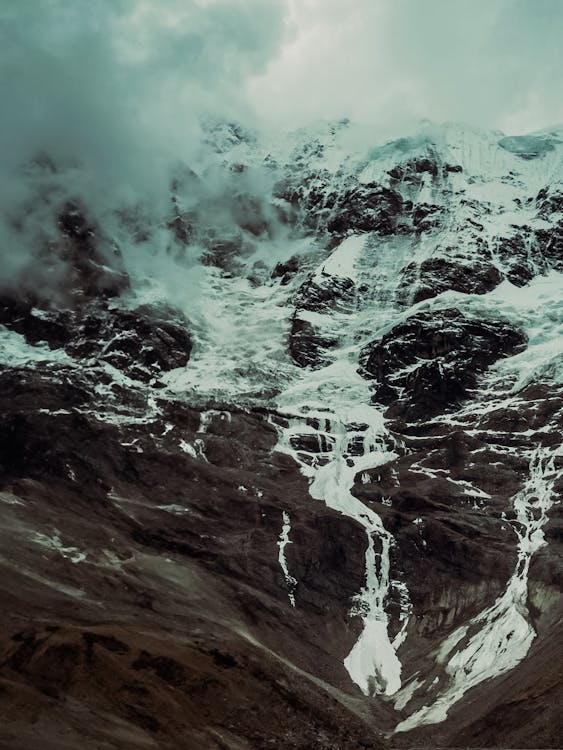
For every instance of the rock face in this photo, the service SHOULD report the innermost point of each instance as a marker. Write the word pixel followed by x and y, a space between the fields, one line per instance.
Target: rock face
pixel 317 506
pixel 126 510
pixel 367 208
pixel 307 346
pixel 436 275
pixel 321 295
pixel 74 262
pixel 432 360
pixel 95 265
pixel 142 342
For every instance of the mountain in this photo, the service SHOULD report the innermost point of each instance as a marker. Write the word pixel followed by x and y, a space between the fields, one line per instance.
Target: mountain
pixel 281 465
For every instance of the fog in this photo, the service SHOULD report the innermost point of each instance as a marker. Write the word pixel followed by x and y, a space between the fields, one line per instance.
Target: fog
pixel 104 98
pixel 102 101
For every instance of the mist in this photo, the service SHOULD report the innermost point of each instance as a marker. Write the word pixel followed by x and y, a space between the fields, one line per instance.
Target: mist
pixel 105 102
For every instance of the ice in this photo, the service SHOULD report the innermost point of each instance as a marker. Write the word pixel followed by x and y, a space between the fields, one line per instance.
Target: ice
pixel 372 663
pixel 177 510
pixel 53 542
pixel 342 260
pixel 283 541
pixel 339 398
pixel 499 638
pixel 10 499
pixel 188 448
pixel 403 696
pixel 15 351
pixel 528 146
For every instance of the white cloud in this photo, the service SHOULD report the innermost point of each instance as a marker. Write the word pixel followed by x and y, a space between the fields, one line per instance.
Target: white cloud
pixel 493 63
pixel 120 83
pixel 114 92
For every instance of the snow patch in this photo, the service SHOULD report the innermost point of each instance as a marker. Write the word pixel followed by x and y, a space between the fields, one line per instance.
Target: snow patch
pixel 283 541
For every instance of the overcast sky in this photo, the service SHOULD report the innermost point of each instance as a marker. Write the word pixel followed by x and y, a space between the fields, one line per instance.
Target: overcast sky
pixel 493 63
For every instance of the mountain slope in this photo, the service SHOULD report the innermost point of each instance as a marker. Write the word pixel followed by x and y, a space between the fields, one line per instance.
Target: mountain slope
pixel 293 480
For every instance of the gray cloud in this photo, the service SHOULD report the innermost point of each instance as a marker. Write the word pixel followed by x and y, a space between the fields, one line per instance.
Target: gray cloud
pixel 114 91
pixel 120 84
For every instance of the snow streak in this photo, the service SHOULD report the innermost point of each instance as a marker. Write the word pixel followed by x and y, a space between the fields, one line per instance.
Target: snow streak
pixel 499 638
pixel 283 541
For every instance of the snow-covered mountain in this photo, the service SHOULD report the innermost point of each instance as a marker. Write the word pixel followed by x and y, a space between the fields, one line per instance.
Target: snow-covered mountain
pixel 281 464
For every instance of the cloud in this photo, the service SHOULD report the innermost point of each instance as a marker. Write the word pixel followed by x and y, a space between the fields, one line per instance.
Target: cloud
pixel 119 84
pixel 492 63
pixel 114 92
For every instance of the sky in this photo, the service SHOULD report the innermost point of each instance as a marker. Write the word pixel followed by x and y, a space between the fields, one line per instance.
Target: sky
pixel 497 64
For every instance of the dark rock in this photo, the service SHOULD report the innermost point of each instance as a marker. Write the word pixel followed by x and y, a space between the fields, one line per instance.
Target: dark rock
pixel 110 643
pixel 549 201
pixel 436 275
pixel 93 263
pixel 411 169
pixel 426 165
pixel 366 208
pixel 518 256
pixel 37 325
pixel 307 346
pixel 248 213
pixel 325 293
pixel 46 444
pixel 429 362
pixel 327 558
pixel 77 262
pixel 307 201
pixel 226 661
pixel 312 442
pixel 550 244
pixel 51 388
pixel 182 229
pixel 166 669
pixel 141 342
pixel 427 216
pixel 224 254
pixel 286 271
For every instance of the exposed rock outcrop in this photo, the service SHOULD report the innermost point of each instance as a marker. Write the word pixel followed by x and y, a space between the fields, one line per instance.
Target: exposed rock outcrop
pixel 432 360
pixel 142 342
pixel 436 275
